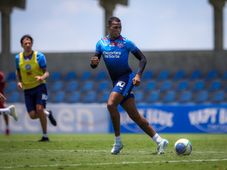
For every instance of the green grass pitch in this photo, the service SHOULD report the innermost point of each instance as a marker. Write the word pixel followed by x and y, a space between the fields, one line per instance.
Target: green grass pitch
pixel 92 151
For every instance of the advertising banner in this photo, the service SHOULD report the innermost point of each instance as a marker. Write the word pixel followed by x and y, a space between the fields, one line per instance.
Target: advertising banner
pixel 179 118
pixel 71 118
pixel 94 118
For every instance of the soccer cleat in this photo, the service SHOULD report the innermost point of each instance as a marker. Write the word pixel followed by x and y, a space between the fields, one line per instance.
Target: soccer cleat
pixel 117 147
pixel 7 132
pixel 13 112
pixel 44 139
pixel 162 146
pixel 52 119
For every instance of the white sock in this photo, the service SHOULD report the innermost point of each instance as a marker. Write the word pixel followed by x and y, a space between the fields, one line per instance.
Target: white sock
pixel 117 139
pixel 46 112
pixel 5 111
pixel 156 138
pixel 45 135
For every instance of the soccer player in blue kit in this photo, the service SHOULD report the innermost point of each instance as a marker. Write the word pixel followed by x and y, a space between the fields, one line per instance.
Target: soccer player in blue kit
pixel 115 51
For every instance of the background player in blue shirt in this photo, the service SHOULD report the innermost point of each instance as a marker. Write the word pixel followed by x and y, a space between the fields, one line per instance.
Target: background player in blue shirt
pixel 115 50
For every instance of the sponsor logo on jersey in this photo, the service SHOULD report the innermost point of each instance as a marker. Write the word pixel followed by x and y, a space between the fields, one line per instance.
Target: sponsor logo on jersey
pixel 111 54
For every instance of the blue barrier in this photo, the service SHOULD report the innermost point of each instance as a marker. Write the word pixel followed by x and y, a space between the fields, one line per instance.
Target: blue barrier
pixel 179 119
pixel 94 118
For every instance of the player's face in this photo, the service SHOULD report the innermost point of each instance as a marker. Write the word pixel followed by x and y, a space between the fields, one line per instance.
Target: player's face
pixel 115 29
pixel 27 45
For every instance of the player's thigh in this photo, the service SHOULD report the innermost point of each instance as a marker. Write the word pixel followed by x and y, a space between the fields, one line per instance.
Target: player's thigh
pixel 115 98
pixel 41 96
pixel 130 107
pixel 29 101
pixel 124 84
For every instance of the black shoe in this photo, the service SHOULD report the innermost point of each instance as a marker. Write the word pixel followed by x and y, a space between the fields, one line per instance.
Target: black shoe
pixel 44 139
pixel 52 119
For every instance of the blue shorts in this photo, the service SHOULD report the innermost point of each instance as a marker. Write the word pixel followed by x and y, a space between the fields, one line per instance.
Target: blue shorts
pixel 124 86
pixel 34 96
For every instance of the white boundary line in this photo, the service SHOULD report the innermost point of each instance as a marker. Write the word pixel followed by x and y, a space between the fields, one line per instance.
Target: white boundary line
pixel 116 163
pixel 108 151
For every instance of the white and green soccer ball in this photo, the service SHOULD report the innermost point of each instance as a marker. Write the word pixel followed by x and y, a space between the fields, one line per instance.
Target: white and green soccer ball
pixel 183 147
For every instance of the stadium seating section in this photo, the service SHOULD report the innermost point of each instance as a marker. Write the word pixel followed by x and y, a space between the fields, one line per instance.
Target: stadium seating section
pixel 156 87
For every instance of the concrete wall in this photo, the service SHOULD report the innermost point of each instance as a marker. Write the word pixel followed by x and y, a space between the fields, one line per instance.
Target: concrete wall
pixel 157 60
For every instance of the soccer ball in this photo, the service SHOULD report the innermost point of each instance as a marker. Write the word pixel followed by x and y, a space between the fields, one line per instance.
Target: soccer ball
pixel 183 147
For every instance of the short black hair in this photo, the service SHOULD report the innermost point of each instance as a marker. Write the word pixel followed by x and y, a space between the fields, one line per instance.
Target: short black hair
pixel 111 19
pixel 26 36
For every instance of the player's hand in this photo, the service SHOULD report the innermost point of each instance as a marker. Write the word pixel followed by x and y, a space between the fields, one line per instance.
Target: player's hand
pixel 2 97
pixel 19 85
pixel 94 60
pixel 136 80
pixel 39 78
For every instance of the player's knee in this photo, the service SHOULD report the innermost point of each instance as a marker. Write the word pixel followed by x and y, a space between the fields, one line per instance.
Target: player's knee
pixel 111 106
pixel 39 111
pixel 32 115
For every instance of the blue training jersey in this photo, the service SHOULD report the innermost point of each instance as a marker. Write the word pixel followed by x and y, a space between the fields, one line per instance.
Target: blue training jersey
pixel 41 59
pixel 115 55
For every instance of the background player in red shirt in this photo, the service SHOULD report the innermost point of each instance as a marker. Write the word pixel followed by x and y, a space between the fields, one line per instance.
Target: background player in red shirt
pixel 5 111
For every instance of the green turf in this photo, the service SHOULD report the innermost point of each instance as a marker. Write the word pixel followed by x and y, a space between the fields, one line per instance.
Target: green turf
pixel 92 151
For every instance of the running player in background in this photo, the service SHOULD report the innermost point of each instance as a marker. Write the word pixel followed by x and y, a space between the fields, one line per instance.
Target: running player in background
pixel 115 49
pixel 31 76
pixel 5 111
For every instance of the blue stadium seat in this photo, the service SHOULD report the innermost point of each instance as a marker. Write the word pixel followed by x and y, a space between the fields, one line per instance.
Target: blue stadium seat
pixel 212 74
pixel 139 96
pixel 74 97
pixel 180 74
pixel 88 85
pixel 11 76
pixel 150 85
pixel 218 96
pixel 169 97
pixel 166 85
pixel 86 75
pixel 56 86
pixel 198 85
pixel 55 76
pixel 101 75
pixel 103 96
pixel 58 97
pixel 89 97
pixel 72 86
pixel 71 75
pixel 163 75
pixel 196 74
pixel 215 85
pixel 147 75
pixel 224 77
pixel 153 96
pixel 10 87
pixel 201 96
pixel 183 85
pixel 185 97
pixel 103 85
pixel 14 97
